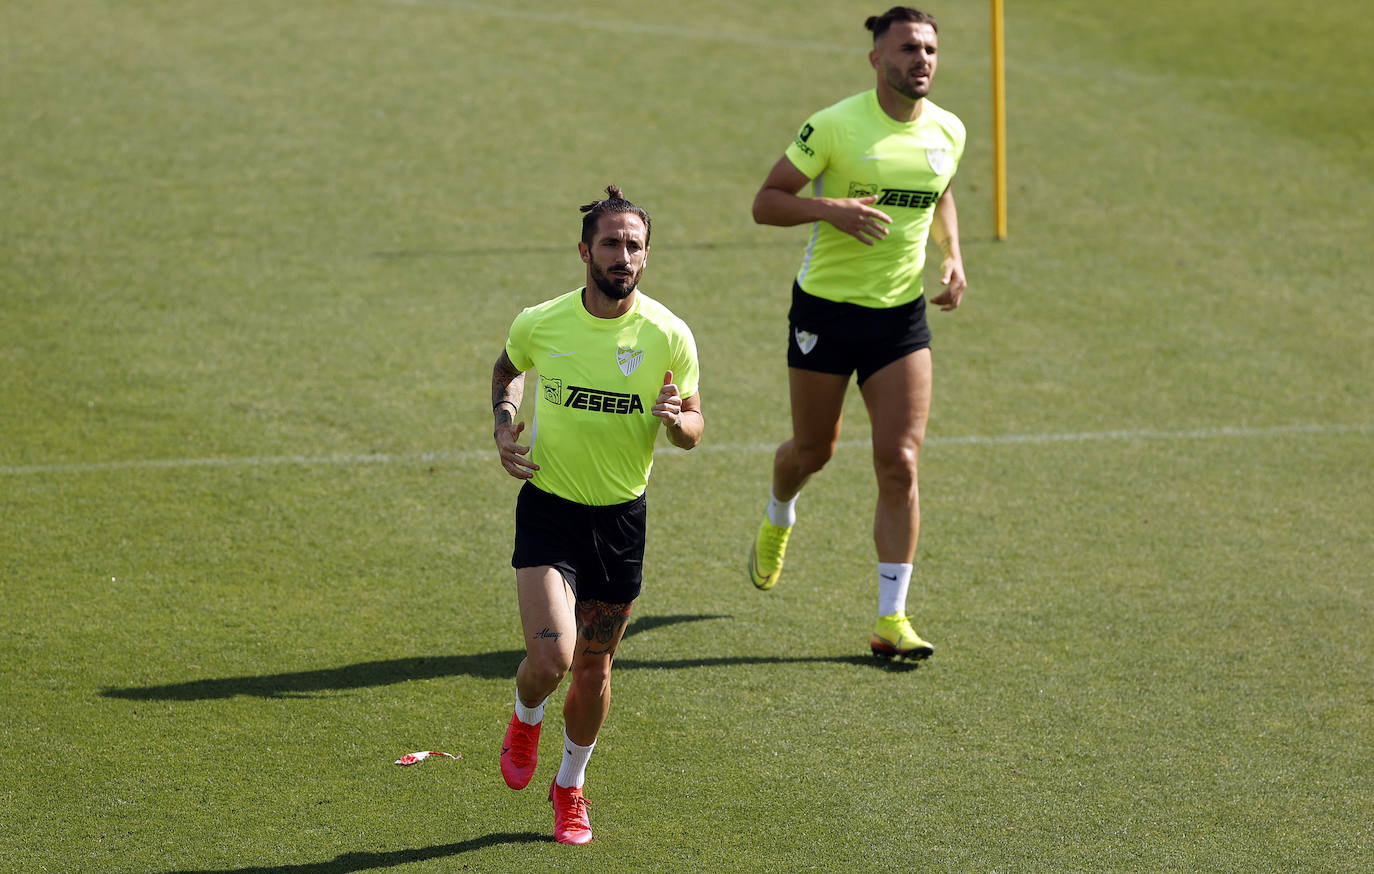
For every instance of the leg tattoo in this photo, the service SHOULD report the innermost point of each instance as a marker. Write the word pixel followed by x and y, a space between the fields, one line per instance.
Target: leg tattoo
pixel 599 623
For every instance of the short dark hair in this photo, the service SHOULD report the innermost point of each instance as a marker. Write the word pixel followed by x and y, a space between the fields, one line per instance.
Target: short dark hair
pixel 880 23
pixel 615 202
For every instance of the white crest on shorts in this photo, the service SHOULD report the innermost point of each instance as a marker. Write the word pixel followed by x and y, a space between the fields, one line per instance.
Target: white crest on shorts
pixel 806 341
pixel 628 359
pixel 941 160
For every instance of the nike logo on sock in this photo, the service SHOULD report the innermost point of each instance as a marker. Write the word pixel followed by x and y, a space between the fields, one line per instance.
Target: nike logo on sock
pixel 886 577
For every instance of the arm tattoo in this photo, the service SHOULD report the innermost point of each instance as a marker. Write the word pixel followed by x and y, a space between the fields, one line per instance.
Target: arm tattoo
pixel 548 634
pixel 507 384
pixel 600 624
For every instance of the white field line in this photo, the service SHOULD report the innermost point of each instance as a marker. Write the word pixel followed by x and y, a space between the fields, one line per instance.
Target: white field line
pixel 464 455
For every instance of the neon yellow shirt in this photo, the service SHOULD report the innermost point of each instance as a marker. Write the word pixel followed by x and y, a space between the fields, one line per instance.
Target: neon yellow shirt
pixel 855 149
pixel 593 435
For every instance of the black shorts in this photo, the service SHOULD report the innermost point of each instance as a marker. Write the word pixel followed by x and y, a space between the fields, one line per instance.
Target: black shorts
pixel 843 338
pixel 599 550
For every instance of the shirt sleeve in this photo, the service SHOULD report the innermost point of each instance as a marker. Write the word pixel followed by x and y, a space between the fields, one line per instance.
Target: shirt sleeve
pixel 686 369
pixel 810 151
pixel 518 343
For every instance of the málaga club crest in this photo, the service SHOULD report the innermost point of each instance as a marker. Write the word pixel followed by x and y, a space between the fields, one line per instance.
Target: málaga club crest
pixel 628 359
pixel 941 160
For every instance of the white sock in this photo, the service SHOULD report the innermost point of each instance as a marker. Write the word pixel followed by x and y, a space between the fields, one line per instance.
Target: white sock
pixel 529 715
pixel 573 771
pixel 782 513
pixel 893 581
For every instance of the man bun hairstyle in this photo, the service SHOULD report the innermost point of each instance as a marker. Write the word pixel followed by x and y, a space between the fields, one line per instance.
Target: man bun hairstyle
pixel 615 202
pixel 880 23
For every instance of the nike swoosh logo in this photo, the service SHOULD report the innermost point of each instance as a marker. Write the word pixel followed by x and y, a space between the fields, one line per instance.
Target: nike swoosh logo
pixel 553 354
pixel 886 577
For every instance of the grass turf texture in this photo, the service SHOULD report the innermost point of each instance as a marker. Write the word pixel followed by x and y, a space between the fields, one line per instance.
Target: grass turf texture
pixel 258 258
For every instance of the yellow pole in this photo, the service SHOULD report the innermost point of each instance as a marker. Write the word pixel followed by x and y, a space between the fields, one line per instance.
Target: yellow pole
pixel 999 123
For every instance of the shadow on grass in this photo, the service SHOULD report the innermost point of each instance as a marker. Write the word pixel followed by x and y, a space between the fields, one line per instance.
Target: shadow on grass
pixel 371 861
pixel 487 666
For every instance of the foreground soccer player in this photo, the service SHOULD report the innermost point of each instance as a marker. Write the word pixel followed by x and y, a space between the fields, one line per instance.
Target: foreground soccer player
pixel 615 368
pixel 882 162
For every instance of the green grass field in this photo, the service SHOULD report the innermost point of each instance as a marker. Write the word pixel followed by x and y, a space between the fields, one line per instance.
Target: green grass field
pixel 256 260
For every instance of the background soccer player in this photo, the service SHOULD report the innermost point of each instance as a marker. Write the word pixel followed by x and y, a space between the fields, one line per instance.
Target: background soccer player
pixel 882 162
pixel 615 368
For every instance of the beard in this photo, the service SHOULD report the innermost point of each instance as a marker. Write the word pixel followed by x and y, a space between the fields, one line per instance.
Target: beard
pixel 902 85
pixel 615 289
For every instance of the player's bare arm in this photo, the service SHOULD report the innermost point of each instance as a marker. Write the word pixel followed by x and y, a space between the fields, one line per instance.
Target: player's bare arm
pixel 944 230
pixel 777 203
pixel 682 417
pixel 507 390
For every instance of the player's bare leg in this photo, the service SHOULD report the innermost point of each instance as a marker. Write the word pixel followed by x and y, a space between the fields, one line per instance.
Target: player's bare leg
pixel 898 402
pixel 600 627
pixel 549 622
pixel 817 409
